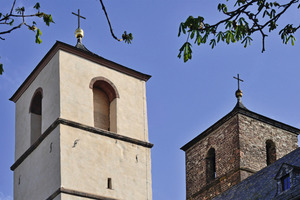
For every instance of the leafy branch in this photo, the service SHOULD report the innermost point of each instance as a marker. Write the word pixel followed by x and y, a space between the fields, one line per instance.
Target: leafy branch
pixel 126 37
pixel 8 22
pixel 246 18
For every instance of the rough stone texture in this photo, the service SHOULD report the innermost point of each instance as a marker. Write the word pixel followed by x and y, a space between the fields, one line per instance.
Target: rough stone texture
pixel 225 142
pixel 240 148
pixel 263 185
pixel 253 136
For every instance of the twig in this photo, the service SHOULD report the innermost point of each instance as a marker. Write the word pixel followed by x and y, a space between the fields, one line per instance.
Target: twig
pixel 111 30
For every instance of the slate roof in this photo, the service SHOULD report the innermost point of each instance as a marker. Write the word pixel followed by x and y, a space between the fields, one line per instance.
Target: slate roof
pixel 262 185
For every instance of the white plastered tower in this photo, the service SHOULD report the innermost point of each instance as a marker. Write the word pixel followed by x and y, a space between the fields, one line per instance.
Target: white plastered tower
pixel 66 146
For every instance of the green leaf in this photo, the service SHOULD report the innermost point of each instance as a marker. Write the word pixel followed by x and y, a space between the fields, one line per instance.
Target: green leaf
pixel 212 43
pixel 292 40
pixel 204 38
pixel 37 6
pixel 246 41
pixel 20 10
pixel 228 24
pixel 198 39
pixel 127 37
pixel 183 29
pixel 232 37
pixel 39 32
pixel 48 19
pixel 179 31
pixel 1 69
pixel 187 51
pixel 229 37
pixel 180 50
pixel 37 36
pixel 11 22
pixel 220 36
pixel 192 34
pixel 266 12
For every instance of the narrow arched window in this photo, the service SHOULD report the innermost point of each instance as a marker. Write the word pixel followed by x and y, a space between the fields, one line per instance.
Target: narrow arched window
pixel 36 116
pixel 270 151
pixel 101 109
pixel 104 101
pixel 211 165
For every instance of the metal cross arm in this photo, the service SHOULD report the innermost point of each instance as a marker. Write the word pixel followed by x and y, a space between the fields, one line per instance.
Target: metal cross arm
pixel 238 79
pixel 79 16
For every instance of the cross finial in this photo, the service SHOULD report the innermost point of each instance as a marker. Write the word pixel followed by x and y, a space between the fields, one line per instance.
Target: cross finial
pixel 239 92
pixel 79 31
pixel 238 79
pixel 79 16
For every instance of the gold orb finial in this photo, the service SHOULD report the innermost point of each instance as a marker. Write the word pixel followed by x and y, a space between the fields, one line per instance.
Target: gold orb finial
pixel 239 94
pixel 79 33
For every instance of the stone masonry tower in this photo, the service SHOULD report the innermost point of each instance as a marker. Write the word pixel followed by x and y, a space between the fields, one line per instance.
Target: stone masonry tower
pixel 235 147
pixel 81 129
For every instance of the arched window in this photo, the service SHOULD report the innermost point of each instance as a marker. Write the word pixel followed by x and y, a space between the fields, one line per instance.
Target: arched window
pixel 36 115
pixel 104 101
pixel 211 165
pixel 270 151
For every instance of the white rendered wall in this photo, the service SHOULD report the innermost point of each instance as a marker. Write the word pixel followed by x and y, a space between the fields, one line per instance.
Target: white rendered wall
pixel 38 176
pixel 87 165
pixel 76 74
pixel 48 80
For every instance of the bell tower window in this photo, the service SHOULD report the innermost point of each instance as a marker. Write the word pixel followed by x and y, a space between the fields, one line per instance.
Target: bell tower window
pixel 104 102
pixel 270 151
pixel 211 165
pixel 36 116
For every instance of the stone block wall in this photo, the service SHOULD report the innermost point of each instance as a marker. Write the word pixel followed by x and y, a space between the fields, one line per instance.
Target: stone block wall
pixel 217 186
pixel 225 141
pixel 253 136
pixel 240 151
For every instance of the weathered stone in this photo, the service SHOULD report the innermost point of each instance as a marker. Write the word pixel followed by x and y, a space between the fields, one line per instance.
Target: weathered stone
pixel 239 140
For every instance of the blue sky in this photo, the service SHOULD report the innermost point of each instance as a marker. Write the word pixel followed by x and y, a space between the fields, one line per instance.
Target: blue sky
pixel 183 98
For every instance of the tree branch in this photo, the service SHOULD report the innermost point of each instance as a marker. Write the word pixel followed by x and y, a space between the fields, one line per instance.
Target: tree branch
pixel 10 30
pixel 239 24
pixel 110 27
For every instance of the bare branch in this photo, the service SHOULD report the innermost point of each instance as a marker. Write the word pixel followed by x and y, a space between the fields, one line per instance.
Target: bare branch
pixel 10 30
pixel 12 8
pixel 110 27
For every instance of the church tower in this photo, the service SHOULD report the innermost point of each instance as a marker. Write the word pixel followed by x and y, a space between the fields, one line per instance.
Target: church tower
pixel 234 148
pixel 81 129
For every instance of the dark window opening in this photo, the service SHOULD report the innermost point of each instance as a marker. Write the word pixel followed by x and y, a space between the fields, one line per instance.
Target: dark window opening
pixel 211 165
pixel 36 116
pixel 109 183
pixel 285 182
pixel 270 151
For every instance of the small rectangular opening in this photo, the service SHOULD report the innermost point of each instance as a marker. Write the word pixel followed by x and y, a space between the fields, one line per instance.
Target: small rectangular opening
pixel 109 183
pixel 285 182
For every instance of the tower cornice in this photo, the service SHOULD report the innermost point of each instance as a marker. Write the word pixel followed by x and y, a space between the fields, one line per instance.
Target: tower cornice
pixel 241 109
pixel 78 52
